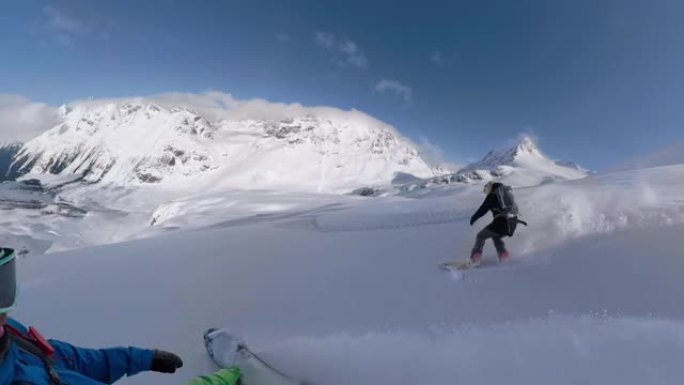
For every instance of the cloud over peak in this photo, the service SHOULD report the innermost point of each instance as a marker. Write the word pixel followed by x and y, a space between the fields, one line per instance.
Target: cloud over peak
pixel 21 119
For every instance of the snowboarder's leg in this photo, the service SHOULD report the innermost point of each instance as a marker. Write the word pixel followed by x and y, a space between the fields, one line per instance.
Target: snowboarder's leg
pixel 482 236
pixel 500 247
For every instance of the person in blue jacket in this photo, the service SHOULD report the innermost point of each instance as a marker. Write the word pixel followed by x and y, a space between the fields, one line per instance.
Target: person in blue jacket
pixel 28 358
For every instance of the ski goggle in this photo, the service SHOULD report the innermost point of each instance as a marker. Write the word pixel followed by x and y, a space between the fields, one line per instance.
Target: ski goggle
pixel 8 280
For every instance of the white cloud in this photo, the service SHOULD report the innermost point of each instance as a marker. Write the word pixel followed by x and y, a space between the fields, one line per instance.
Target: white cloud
pixel 61 23
pixel 284 38
pixel 342 50
pixel 325 40
pixel 396 88
pixel 22 119
pixel 61 28
pixel 437 58
pixel 64 40
pixel 215 105
pixel 65 29
pixel 527 134
pixel 434 155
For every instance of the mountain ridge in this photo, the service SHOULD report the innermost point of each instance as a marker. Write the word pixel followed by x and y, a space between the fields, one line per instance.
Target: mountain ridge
pixel 146 143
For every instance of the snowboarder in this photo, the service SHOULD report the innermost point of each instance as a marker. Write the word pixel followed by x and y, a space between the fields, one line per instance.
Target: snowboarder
pixel 26 357
pixel 499 200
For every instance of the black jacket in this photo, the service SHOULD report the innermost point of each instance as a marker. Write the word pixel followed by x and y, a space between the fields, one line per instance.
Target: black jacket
pixel 500 202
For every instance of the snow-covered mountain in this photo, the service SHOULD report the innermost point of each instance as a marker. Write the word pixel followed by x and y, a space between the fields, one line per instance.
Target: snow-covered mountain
pixel 522 165
pixel 131 144
pixel 7 153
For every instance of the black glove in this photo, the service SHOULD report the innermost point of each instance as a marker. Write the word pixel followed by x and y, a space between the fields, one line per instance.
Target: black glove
pixel 165 362
pixel 472 220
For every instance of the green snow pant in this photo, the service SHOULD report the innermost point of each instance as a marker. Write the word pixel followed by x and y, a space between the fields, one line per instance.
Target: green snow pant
pixel 229 376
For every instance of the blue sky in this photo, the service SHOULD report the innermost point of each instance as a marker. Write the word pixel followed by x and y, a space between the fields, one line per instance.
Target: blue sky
pixel 595 81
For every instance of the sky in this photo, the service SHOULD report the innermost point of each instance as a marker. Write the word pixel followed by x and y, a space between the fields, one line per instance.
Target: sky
pixel 597 82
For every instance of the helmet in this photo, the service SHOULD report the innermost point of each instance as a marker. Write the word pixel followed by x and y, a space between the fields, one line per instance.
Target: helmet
pixel 488 187
pixel 8 280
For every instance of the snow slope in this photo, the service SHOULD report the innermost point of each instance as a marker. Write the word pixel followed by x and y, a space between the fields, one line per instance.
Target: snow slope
pixel 345 290
pixel 132 144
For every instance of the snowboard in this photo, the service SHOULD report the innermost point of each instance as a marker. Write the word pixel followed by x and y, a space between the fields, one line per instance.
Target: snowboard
pixel 457 265
pixel 464 265
pixel 227 350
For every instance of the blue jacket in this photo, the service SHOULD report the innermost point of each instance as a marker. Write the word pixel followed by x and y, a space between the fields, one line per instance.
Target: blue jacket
pixel 75 366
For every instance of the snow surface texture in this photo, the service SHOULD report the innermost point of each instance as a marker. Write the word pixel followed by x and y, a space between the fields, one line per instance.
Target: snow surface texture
pixel 346 290
pixel 132 144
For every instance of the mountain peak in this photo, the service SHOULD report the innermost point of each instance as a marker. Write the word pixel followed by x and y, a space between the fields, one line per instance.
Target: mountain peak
pixel 527 145
pixel 63 110
pixel 522 165
pixel 525 148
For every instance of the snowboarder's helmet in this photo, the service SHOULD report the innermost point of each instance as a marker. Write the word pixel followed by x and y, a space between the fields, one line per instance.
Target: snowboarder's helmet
pixel 488 188
pixel 8 280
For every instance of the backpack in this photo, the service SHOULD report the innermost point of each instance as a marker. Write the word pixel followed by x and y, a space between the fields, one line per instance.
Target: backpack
pixel 35 344
pixel 506 200
pixel 508 208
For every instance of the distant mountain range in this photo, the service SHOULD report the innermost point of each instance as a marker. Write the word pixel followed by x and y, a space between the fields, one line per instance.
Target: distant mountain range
pixel 521 165
pixel 177 148
pixel 130 144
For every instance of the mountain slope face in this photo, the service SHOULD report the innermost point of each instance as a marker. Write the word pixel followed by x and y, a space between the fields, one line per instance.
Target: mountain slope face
pixel 522 165
pixel 132 144
pixel 7 153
